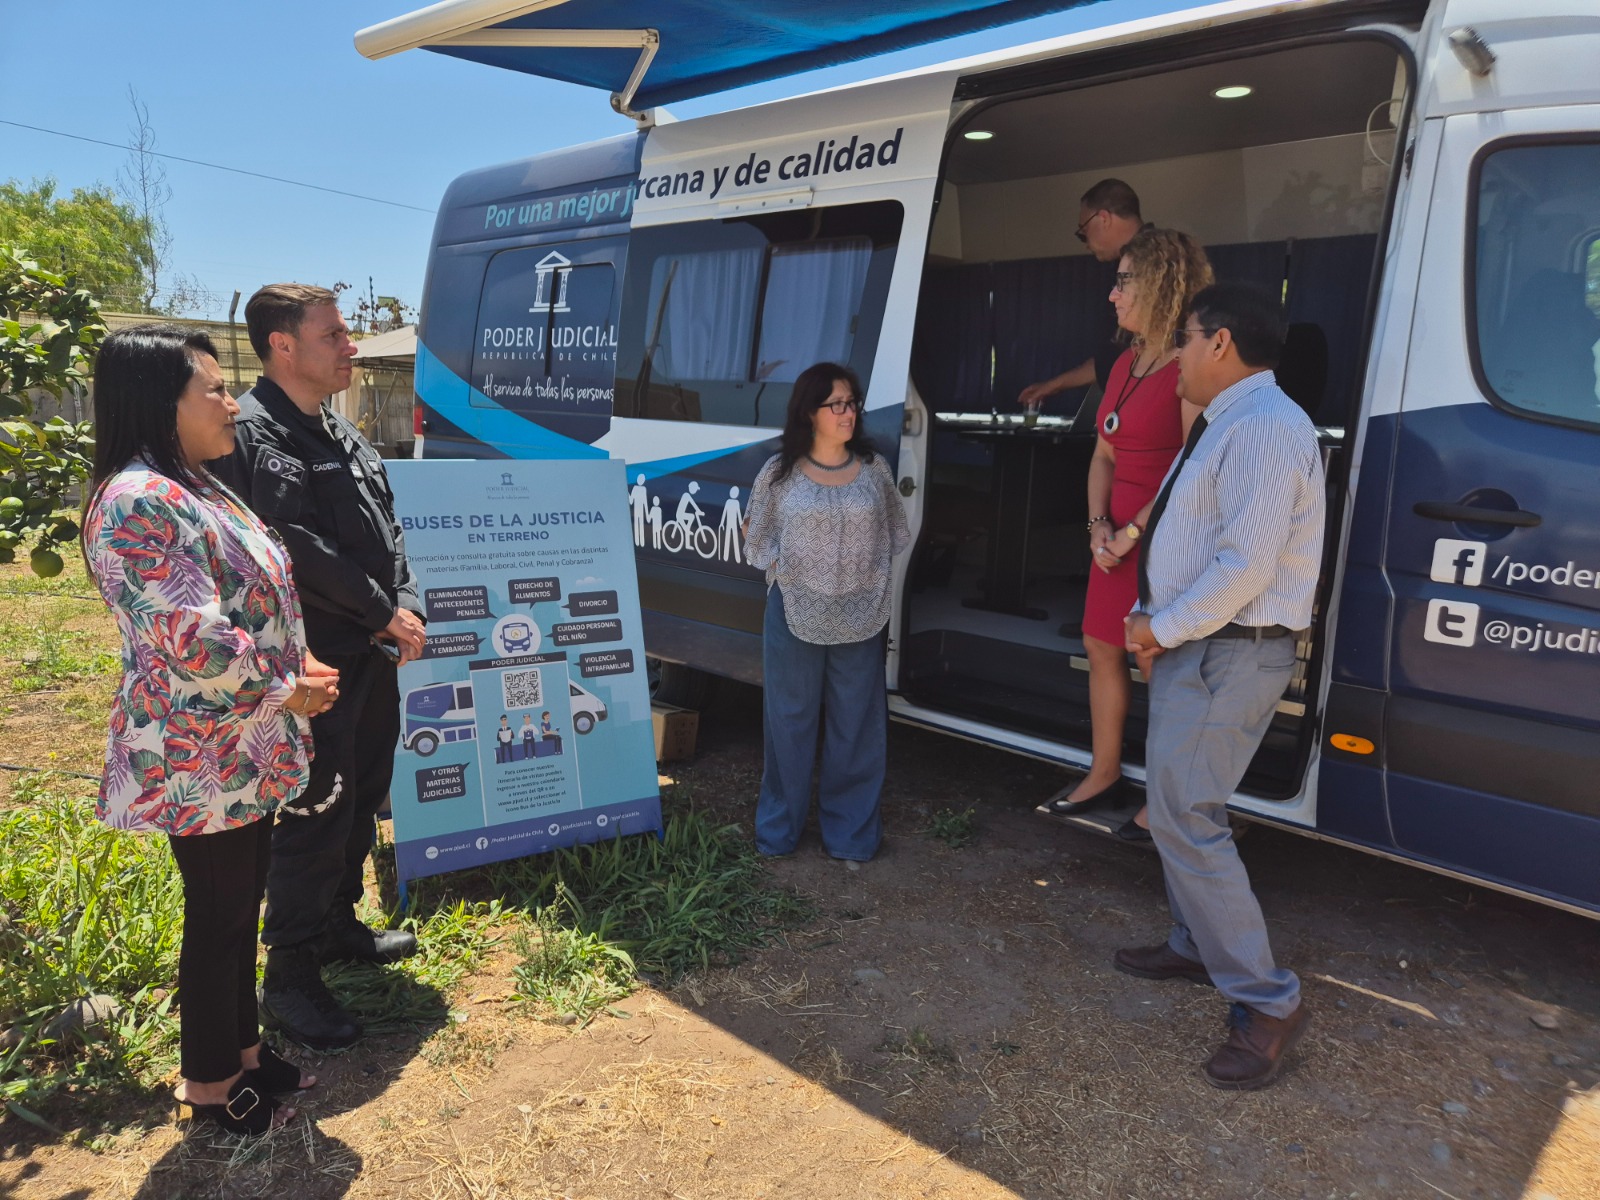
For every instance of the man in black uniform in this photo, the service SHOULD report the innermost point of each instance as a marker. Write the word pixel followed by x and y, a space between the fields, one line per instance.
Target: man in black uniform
pixel 311 476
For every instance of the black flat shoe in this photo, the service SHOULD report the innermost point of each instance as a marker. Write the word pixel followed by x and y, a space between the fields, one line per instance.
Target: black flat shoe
pixel 1059 806
pixel 1131 831
pixel 246 1113
pixel 275 1076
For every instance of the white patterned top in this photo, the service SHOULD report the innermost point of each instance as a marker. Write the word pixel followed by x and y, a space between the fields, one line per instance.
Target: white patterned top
pixel 828 547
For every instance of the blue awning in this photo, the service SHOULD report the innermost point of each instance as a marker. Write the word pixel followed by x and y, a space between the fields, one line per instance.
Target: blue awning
pixel 648 54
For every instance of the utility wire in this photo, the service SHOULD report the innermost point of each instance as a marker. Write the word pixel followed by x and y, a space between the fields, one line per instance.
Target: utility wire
pixel 316 187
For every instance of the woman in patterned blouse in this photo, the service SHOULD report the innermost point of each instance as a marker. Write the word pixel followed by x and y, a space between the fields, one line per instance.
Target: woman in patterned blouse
pixel 208 730
pixel 824 523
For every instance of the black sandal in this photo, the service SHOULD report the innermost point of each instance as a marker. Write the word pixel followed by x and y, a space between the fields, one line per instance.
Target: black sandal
pixel 1059 806
pixel 247 1112
pixel 274 1075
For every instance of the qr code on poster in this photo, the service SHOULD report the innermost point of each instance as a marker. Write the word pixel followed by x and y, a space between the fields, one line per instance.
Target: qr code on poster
pixel 521 689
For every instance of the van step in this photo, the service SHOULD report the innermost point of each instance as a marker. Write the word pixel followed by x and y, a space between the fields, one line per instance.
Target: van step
pixel 1105 821
pixel 1286 706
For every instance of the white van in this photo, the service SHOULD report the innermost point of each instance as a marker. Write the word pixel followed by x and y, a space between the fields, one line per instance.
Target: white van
pixel 1420 181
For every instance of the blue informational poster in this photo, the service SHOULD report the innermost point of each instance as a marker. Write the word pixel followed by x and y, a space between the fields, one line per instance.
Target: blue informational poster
pixel 526 724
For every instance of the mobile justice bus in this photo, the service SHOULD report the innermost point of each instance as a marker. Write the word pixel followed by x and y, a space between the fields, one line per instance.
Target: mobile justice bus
pixel 1420 181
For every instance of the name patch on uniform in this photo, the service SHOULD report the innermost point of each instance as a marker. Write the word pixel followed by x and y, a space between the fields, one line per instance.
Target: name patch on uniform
pixel 327 466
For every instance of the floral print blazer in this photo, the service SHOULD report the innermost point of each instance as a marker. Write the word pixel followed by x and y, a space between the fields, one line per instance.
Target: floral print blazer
pixel 212 645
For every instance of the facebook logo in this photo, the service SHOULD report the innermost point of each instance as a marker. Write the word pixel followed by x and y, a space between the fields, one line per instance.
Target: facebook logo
pixel 1458 562
pixel 1452 622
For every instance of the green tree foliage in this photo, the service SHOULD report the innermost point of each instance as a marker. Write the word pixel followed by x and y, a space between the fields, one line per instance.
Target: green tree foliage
pixel 49 330
pixel 90 234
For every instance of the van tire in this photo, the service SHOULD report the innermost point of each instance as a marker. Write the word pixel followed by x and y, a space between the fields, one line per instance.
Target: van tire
pixel 424 744
pixel 583 722
pixel 675 684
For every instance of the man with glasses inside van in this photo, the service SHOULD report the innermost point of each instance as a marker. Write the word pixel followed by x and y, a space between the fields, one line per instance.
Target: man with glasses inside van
pixel 1108 217
pixel 1232 551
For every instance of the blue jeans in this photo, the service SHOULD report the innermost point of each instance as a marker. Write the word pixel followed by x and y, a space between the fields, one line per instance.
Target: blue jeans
pixel 1210 705
pixel 802 682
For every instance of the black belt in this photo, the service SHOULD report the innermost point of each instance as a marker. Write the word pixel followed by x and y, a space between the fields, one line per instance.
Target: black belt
pixel 1255 632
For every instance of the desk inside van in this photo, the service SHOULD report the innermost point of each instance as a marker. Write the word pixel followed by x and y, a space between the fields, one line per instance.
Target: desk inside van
pixel 1014 449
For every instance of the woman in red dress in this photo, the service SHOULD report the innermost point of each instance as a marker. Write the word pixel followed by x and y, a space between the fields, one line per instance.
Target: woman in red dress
pixel 1140 428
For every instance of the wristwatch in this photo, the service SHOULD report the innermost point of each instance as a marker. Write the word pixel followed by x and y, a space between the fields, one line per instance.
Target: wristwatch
pixel 1133 531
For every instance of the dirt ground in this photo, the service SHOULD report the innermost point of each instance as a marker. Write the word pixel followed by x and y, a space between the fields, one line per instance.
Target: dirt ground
pixel 950 1025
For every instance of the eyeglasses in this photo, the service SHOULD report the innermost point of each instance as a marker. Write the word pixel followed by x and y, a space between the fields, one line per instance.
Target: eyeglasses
pixel 1123 279
pixel 1084 224
pixel 839 407
pixel 1181 336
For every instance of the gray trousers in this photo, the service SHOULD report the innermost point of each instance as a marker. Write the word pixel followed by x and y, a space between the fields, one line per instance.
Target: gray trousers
pixel 1210 704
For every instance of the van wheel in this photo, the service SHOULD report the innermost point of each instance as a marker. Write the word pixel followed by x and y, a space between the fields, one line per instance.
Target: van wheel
pixel 425 744
pixel 583 722
pixel 675 684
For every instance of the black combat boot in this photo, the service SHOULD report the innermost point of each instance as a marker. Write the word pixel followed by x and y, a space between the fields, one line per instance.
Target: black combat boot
pixel 296 1001
pixel 346 939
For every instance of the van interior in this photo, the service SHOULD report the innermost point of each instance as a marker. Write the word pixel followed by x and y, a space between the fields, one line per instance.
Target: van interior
pixel 1286 185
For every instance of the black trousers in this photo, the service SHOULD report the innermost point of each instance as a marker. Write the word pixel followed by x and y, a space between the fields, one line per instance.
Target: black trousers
pixel 322 837
pixel 224 875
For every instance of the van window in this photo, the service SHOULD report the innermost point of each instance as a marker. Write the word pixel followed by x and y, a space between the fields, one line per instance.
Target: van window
pixel 719 317
pixel 545 343
pixel 1536 279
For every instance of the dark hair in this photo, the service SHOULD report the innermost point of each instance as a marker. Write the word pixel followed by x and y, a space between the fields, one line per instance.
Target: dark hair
pixel 811 390
pixel 1250 313
pixel 140 373
pixel 1116 197
pixel 279 308
pixel 139 376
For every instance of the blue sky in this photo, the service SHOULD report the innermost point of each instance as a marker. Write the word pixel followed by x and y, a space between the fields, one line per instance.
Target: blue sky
pixel 277 87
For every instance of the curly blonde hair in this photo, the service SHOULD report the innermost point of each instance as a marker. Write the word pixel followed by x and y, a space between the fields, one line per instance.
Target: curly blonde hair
pixel 1170 268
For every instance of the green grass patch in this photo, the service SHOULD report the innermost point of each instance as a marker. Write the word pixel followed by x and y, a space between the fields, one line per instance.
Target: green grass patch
pixel 695 898
pixel 88 910
pixel 692 900
pixel 954 829
pixel 572 973
pixel 34 635
pixel 83 910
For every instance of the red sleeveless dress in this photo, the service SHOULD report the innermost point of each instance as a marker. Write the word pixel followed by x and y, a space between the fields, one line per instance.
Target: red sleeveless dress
pixel 1148 437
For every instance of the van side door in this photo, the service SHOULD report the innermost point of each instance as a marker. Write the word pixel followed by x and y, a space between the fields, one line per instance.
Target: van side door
pixel 1491 735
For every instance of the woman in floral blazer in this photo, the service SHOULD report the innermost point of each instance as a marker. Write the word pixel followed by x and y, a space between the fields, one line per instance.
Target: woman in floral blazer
pixel 208 731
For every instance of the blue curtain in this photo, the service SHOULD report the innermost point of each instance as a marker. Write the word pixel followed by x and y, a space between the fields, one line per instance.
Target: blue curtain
pixel 954 333
pixel 1031 319
pixel 1050 314
pixel 1260 263
pixel 1328 288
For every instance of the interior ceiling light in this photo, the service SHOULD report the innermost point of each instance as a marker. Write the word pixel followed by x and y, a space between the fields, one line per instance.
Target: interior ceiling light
pixel 1236 92
pixel 977 135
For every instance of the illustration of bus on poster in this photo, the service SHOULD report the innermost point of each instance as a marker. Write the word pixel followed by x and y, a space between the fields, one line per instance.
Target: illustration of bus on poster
pixel 526 724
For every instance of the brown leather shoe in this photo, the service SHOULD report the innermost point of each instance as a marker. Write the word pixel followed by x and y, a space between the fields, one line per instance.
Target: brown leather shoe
pixel 1256 1047
pixel 1160 962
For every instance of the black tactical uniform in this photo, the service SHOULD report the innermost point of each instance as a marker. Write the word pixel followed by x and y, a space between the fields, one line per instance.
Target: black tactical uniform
pixel 318 483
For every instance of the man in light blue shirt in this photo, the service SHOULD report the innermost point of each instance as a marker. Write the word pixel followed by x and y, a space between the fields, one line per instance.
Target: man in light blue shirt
pixel 1232 552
